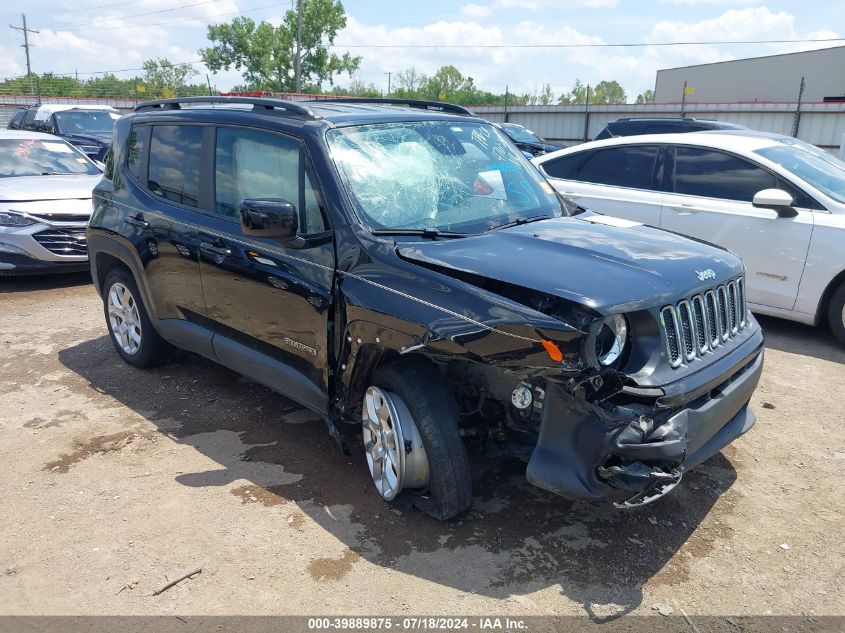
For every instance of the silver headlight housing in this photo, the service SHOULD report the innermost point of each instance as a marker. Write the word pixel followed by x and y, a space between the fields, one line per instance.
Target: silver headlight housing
pixel 13 218
pixel 611 339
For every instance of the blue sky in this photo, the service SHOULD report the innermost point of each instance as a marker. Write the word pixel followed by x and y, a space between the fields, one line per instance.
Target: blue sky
pixel 82 36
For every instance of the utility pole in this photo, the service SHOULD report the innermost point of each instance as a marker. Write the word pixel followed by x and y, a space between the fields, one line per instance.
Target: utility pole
pixel 388 73
pixel 25 45
pixel 796 122
pixel 298 67
pixel 587 114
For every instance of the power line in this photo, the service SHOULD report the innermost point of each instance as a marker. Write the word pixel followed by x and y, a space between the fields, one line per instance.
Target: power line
pixel 109 5
pixel 126 70
pixel 602 45
pixel 133 15
pixel 169 22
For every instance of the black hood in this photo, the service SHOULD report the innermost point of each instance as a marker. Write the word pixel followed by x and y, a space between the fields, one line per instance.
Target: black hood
pixel 538 148
pixel 603 263
pixel 96 139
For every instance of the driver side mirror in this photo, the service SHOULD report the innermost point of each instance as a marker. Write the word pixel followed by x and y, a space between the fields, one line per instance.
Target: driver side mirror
pixel 274 218
pixel 777 200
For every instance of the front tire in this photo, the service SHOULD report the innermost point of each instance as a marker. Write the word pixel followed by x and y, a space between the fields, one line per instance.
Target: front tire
pixel 411 439
pixel 836 314
pixel 129 324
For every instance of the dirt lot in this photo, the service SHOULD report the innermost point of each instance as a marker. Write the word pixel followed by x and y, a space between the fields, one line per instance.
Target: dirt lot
pixel 115 479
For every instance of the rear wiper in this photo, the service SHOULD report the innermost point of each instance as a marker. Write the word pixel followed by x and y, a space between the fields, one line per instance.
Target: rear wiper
pixel 430 233
pixel 518 222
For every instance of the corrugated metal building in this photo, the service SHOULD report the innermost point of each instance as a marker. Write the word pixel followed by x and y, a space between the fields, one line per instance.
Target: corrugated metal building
pixel 771 78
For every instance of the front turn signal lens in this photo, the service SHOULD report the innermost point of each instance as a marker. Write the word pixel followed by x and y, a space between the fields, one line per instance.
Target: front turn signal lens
pixel 552 350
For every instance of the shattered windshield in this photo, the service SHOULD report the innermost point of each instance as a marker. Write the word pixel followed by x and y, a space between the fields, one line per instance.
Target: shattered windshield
pixel 455 177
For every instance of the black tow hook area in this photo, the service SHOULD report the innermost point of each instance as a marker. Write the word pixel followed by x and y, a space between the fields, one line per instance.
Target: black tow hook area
pixel 645 458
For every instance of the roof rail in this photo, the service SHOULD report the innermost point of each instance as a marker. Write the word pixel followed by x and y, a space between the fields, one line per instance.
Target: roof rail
pixel 437 106
pixel 257 103
pixel 659 118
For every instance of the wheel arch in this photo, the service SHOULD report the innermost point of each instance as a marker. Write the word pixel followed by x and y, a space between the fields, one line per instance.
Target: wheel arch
pixel 105 254
pixel 824 302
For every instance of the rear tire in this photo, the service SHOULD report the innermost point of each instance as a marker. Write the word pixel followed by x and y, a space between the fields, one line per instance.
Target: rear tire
pixel 129 324
pixel 836 314
pixel 427 398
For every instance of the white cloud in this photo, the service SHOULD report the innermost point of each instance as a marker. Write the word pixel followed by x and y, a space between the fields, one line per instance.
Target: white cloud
pixel 699 2
pixel 526 70
pixel 476 10
pixel 484 10
pixel 9 66
pixel 125 42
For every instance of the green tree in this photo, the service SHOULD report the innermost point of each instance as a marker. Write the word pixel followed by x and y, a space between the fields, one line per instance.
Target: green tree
pixel 109 85
pixel 410 81
pixel 602 92
pixel 646 97
pixel 578 94
pixel 545 96
pixel 163 78
pixel 357 88
pixel 448 84
pixel 266 54
pixel 608 92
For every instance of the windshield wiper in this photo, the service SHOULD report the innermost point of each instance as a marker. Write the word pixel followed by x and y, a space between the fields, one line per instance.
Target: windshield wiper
pixel 430 233
pixel 518 222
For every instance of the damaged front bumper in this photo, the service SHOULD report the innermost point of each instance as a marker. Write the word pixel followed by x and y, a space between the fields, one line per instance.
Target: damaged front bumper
pixel 638 453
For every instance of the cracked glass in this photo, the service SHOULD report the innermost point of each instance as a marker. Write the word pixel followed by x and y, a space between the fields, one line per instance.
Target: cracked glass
pixel 457 177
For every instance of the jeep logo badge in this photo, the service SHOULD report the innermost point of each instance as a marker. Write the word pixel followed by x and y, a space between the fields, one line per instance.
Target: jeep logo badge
pixel 704 275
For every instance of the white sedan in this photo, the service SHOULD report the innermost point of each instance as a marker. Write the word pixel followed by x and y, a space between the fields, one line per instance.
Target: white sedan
pixel 45 203
pixel 777 202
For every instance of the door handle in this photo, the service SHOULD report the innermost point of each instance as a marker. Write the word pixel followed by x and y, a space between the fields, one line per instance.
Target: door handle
pixel 211 249
pixel 685 208
pixel 138 221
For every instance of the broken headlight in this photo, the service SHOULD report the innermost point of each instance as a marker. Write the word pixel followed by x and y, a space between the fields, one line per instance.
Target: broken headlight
pixel 611 339
pixel 14 218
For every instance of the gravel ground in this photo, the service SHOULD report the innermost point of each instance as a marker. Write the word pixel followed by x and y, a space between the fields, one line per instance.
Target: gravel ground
pixel 115 480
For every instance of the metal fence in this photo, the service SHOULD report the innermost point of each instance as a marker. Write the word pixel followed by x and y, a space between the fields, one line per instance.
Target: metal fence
pixel 10 103
pixel 822 124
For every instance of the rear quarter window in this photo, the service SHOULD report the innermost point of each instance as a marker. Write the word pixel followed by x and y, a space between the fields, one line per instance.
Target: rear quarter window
pixel 630 166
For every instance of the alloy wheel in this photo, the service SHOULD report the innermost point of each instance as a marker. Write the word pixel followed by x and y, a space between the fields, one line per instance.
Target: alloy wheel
pixel 394 449
pixel 124 318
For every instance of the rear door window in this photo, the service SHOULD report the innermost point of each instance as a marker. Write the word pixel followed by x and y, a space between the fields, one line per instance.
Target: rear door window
pixel 174 167
pixel 712 174
pixel 629 166
pixel 564 166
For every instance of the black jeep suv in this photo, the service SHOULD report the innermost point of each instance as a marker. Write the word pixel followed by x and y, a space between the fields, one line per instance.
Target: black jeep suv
pixel 402 267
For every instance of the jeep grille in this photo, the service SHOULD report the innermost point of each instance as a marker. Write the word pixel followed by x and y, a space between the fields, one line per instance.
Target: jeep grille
pixel 698 325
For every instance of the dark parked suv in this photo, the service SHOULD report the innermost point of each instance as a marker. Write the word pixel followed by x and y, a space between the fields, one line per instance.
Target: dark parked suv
pixel 668 125
pixel 88 127
pixel 402 267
